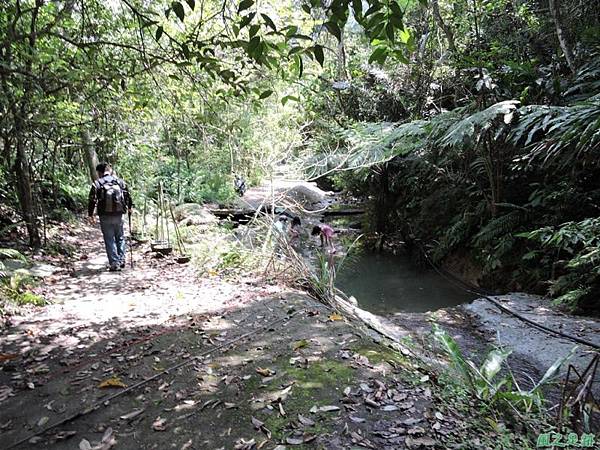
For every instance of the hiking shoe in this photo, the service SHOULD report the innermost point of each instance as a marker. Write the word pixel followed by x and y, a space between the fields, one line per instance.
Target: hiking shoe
pixel 114 269
pixel 122 265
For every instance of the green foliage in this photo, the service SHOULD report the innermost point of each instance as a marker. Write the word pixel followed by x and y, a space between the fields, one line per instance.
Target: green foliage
pixel 491 384
pixel 9 253
pixel 573 250
pixel 468 181
pixel 16 288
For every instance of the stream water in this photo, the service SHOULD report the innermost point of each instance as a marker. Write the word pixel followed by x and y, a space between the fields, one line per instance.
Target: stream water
pixel 385 284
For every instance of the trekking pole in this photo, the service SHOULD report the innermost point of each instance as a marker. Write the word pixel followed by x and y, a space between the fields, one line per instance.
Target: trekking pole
pixel 130 240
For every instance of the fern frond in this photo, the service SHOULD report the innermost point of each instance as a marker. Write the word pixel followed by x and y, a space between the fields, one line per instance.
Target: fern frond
pixel 498 227
pixel 468 131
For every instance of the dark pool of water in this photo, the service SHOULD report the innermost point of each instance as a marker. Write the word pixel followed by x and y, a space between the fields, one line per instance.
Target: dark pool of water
pixel 385 284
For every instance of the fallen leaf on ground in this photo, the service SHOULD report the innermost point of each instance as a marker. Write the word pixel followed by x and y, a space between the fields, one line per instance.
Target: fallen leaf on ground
pixel 419 442
pixel 65 434
pixel 43 421
pixel 305 421
pixel 159 424
pixel 265 372
pixel 357 419
pixel 257 423
pixel 416 430
pixel 242 444
pixel 112 382
pixel 335 316
pixel 300 344
pixel 327 408
pixel 132 414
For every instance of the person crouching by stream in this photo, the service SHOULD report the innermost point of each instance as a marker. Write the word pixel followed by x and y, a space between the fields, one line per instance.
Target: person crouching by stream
pixel 110 198
pixel 325 232
pixel 295 232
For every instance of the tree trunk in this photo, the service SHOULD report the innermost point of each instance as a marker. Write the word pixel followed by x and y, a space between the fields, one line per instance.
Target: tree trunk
pixel 24 193
pixel 342 74
pixel 562 39
pixel 445 28
pixel 89 154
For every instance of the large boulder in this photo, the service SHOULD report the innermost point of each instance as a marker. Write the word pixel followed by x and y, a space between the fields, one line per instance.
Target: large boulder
pixel 305 194
pixel 193 214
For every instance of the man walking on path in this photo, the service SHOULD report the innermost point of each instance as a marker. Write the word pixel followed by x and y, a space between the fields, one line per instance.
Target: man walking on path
pixel 111 199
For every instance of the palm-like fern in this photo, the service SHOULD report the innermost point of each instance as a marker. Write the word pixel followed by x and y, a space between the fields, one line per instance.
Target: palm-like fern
pixel 560 134
pixel 467 132
pixel 370 144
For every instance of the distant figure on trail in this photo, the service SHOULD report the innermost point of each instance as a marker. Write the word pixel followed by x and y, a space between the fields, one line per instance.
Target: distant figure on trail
pixel 326 233
pixel 295 231
pixel 239 185
pixel 111 199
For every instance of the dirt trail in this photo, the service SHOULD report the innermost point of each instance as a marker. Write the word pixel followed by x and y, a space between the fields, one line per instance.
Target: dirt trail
pixel 260 367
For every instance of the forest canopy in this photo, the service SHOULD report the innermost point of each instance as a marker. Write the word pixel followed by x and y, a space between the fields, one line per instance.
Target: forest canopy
pixel 474 125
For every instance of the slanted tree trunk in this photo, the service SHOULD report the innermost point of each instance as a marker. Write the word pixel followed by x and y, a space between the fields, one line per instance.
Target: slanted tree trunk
pixel 445 28
pixel 89 154
pixel 342 74
pixel 562 39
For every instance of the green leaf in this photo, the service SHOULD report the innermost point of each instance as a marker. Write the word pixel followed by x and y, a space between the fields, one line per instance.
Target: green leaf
pixel 253 45
pixel 319 55
pixel 334 29
pixel 178 10
pixel 253 30
pixel 554 369
pixel 451 348
pixel 265 94
pixel 400 57
pixel 390 32
pixel 379 55
pixel 191 4
pixel 246 20
pixel 405 35
pixel 289 98
pixel 295 50
pixel 186 50
pixel 493 363
pixel 291 31
pixel 374 8
pixel 269 22
pixel 159 32
pixel 245 4
pixel 396 11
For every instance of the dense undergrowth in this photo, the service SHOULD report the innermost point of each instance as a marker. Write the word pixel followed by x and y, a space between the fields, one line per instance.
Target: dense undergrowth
pixel 491 163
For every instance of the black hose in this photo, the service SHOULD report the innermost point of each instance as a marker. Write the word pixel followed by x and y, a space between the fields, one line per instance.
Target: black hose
pixel 467 287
